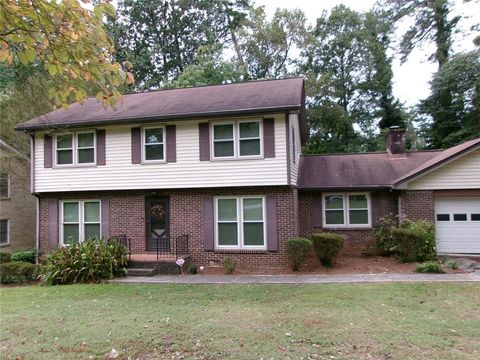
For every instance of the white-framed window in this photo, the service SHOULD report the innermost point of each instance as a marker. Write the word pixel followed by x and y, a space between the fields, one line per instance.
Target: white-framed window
pixel 75 148
pixel 80 220
pixel 236 139
pixel 4 232
pixel 240 222
pixel 4 185
pixel 153 144
pixel 347 210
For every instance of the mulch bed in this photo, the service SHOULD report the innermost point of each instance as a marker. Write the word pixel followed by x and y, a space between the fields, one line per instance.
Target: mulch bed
pixel 342 265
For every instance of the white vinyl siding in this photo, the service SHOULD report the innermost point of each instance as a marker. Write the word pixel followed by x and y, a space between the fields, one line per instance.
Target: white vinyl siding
pixel 187 172
pixel 461 173
pixel 294 147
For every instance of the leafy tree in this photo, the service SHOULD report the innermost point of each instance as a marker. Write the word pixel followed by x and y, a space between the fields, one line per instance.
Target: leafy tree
pixel 349 74
pixel 209 69
pixel 267 47
pixel 162 38
pixel 67 41
pixel 432 23
pixel 460 78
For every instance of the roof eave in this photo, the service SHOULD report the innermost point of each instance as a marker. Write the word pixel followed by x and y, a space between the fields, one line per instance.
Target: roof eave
pixel 146 119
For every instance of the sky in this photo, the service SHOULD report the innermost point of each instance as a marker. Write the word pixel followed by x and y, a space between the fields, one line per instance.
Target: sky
pixel 411 79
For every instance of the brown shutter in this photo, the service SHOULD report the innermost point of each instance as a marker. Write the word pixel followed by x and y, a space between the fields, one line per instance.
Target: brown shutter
pixel 105 217
pixel 171 143
pixel 208 223
pixel 47 151
pixel 204 135
pixel 136 146
pixel 269 138
pixel 101 147
pixel 52 223
pixel 317 210
pixel 272 236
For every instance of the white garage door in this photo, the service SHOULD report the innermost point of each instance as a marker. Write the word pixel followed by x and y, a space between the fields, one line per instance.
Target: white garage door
pixel 457 223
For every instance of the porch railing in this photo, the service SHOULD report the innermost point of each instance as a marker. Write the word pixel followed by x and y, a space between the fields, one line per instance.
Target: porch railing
pixel 166 248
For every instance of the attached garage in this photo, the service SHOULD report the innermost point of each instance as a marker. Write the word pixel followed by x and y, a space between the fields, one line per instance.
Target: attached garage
pixel 457 223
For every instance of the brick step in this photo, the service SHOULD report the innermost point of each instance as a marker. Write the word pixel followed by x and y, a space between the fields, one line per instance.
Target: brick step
pixel 161 267
pixel 141 272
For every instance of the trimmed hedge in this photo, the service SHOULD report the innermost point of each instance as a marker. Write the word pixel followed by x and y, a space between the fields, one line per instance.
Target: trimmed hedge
pixel 297 249
pixel 327 246
pixel 17 272
pixel 90 261
pixel 25 256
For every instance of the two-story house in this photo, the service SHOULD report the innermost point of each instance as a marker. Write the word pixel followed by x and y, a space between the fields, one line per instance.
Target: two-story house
pixel 17 204
pixel 223 165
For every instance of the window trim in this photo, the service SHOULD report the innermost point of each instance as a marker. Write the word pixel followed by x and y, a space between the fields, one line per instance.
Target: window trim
pixel 8 233
pixel 346 211
pixel 236 139
pixel 240 221
pixel 75 149
pixel 164 130
pixel 9 194
pixel 81 218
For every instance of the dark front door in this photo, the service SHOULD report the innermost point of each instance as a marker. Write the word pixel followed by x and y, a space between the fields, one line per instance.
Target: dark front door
pixel 157 219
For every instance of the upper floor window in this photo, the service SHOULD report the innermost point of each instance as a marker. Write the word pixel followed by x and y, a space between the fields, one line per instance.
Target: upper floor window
pixel 80 221
pixel 346 210
pixel 237 139
pixel 154 144
pixel 75 148
pixel 4 186
pixel 4 232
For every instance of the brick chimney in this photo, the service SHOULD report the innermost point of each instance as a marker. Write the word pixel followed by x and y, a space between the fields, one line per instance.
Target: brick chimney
pixel 395 141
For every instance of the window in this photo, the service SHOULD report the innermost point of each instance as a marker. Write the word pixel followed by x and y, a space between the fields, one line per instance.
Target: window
pixel 459 217
pixel 475 217
pixel 443 217
pixel 4 186
pixel 80 221
pixel 75 148
pixel 240 222
pixel 346 210
pixel 4 232
pixel 237 139
pixel 154 144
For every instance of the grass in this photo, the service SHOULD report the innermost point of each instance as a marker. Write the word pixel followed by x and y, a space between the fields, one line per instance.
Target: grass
pixel 387 321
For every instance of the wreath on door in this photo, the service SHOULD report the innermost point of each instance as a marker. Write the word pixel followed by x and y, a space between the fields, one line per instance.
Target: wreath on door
pixel 158 211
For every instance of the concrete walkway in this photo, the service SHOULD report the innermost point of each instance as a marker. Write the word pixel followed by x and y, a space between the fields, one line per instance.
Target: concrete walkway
pixel 297 279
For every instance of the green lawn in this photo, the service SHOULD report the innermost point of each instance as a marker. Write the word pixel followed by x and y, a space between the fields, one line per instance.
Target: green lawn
pixel 385 321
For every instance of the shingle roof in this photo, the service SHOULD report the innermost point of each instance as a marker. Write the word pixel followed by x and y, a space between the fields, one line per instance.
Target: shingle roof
pixel 357 171
pixel 255 97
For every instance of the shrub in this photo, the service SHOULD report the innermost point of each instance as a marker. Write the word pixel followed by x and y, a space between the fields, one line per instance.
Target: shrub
pixel 425 230
pixel 229 265
pixel 17 272
pixel 25 256
pixel 407 242
pixel 89 261
pixel 327 246
pixel 297 249
pixel 432 267
pixel 5 257
pixel 451 264
pixel 383 235
pixel 192 268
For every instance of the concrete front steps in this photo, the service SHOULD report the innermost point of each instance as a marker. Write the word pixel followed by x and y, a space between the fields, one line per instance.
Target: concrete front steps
pixel 148 265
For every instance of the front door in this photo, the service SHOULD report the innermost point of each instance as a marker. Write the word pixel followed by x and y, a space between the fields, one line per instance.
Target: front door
pixel 157 221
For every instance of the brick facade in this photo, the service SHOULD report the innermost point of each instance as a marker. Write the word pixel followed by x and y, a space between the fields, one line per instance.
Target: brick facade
pixel 416 205
pixel 383 203
pixel 127 216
